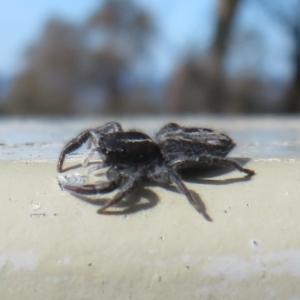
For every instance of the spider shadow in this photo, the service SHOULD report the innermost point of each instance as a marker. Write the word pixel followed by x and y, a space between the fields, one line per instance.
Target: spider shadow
pixel 131 205
pixel 195 175
pixel 196 197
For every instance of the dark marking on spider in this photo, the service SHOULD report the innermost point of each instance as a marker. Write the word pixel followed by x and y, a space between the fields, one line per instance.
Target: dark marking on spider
pixel 133 157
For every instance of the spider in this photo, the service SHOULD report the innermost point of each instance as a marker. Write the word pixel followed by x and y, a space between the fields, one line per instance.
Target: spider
pixel 133 157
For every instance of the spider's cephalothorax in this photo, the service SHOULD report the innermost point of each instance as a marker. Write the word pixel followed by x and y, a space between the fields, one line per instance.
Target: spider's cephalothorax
pixel 132 157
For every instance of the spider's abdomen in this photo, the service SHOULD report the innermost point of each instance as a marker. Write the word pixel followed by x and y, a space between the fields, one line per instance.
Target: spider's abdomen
pixel 129 148
pixel 177 142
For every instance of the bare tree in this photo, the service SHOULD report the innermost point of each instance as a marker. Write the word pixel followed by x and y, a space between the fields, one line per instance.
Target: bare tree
pixel 119 32
pixel 186 89
pixel 199 83
pixel 286 12
pixel 68 63
pixel 217 92
pixel 52 73
pixel 48 83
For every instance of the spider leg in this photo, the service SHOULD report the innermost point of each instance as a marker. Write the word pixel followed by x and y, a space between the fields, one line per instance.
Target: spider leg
pixel 126 189
pixel 98 169
pixel 205 160
pixel 175 178
pixel 232 163
pixel 114 181
pixel 109 127
pixel 72 146
pixel 77 142
pixel 92 189
pixel 88 157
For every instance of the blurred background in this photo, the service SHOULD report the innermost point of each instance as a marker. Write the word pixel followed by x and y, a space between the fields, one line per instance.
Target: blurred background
pixel 137 56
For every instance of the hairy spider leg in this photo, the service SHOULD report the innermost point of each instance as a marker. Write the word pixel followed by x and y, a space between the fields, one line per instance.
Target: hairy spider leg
pixel 92 189
pixel 98 169
pixel 206 160
pixel 77 142
pixel 88 157
pixel 129 186
pixel 114 181
pixel 109 127
pixel 72 146
pixel 175 178
pixel 232 163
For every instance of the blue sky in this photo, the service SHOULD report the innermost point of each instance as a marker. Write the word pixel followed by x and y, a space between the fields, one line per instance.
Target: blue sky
pixel 181 25
pixel 22 20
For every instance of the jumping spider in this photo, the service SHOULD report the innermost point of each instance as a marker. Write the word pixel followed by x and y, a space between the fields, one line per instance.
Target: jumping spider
pixel 133 157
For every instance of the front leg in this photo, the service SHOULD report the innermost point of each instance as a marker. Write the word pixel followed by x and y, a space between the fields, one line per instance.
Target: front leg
pixel 114 181
pixel 93 189
pixel 73 145
pixel 93 134
pixel 109 127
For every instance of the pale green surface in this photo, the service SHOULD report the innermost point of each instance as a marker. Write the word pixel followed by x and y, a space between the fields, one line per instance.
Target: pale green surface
pixel 256 137
pixel 251 250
